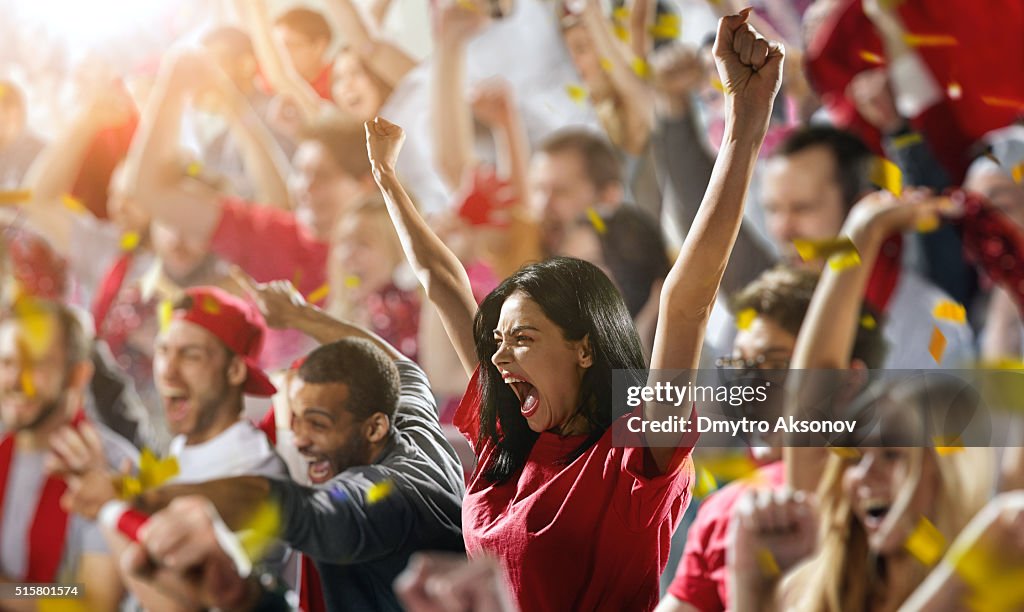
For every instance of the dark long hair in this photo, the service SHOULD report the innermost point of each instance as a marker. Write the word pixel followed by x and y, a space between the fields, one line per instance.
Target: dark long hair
pixel 581 300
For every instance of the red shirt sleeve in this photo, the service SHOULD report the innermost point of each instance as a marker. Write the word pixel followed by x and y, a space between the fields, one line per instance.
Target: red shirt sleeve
pixel 269 244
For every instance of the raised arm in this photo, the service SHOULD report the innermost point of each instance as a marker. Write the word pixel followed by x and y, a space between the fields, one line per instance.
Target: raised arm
pixel 155 169
pixel 829 330
pixel 384 58
pixel 437 268
pixel 458 22
pixel 619 62
pixel 283 307
pixel 751 70
pixel 274 62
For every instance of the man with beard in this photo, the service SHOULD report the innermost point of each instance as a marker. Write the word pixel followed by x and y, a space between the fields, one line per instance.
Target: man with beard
pixel 44 374
pixel 386 481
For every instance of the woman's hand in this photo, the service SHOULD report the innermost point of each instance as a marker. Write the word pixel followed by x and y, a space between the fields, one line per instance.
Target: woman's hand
pixel 383 143
pixel 772 531
pixel 750 68
pixel 880 214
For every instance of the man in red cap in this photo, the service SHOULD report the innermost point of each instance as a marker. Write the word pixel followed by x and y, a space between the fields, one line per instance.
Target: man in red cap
pixel 205 362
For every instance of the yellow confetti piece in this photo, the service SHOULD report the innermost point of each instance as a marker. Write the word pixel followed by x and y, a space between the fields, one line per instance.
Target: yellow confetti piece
pixel 1003 102
pixel 3 91
pixel 318 294
pixel 926 543
pixel 621 32
pixel 352 281
pixel 379 491
pixel 945 445
pixel 927 224
pixel 887 175
pixel 152 473
pixel 621 13
pixel 948 310
pixel 716 84
pixel 18 196
pixel 27 386
pixel 468 5
pixel 194 169
pixel 706 483
pixel 38 327
pixel 868 322
pixel 641 68
pixel 210 305
pixel 871 58
pixel 744 318
pixel 577 93
pixel 260 531
pixel 730 467
pixel 130 241
pixel 766 561
pixel 73 204
pixel 905 140
pixel 844 261
pixel 1017 172
pixel 606 64
pixel 297 277
pixel 954 91
pixel 667 26
pixel 937 345
pixel 596 220
pixel 845 452
pixel 166 311
pixel 929 40
pixel 809 250
pixel 55 604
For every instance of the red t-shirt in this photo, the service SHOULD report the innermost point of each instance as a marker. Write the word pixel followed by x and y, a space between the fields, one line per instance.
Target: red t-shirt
pixel 701 576
pixel 269 244
pixel 590 535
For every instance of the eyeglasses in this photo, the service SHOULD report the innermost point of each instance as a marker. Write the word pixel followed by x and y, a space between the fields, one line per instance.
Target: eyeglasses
pixel 769 360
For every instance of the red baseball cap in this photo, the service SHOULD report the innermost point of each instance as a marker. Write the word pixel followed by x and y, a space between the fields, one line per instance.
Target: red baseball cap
pixel 237 324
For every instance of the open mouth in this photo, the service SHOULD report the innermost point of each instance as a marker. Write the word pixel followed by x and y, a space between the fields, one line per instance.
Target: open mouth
pixel 176 405
pixel 875 513
pixel 529 398
pixel 319 470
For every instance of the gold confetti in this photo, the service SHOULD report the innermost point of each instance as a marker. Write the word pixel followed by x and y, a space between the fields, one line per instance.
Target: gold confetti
pixel 929 40
pixel 297 277
pixel 844 261
pixel 744 318
pixel 954 91
pixel 73 204
pixel 318 294
pixel 730 467
pixel 621 32
pixel 152 473
pixel 3 91
pixel 766 561
pixel 352 281
pixel 906 140
pixel 948 310
pixel 871 58
pixel 577 93
pixel 868 322
pixel 845 452
pixel 1017 172
pixel 937 345
pixel 606 64
pixel 667 26
pixel 641 68
pixel 210 305
pixel 716 84
pixel 166 311
pixel 927 224
pixel 926 543
pixel 379 491
pixel 596 220
pixel 27 386
pixel 468 5
pixel 706 483
pixel 130 241
pixel 17 196
pixel 809 250
pixel 945 445
pixel 260 531
pixel 194 169
pixel 38 327
pixel 63 604
pixel 887 175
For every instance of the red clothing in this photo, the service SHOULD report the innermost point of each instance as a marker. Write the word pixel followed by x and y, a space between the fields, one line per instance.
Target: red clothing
pixel 324 82
pixel 269 244
pixel 701 576
pixel 590 535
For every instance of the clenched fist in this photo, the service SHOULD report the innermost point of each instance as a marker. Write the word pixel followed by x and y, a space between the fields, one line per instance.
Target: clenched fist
pixel 383 143
pixel 750 68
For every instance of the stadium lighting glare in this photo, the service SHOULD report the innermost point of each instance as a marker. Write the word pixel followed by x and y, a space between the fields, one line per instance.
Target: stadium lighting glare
pixel 86 24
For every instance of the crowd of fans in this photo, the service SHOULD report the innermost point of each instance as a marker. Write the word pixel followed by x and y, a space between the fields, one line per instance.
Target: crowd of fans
pixel 259 352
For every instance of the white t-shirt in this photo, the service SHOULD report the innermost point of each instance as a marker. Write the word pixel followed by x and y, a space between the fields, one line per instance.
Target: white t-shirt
pixel 239 450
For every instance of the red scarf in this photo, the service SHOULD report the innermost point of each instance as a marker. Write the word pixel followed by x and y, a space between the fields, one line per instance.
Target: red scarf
pixel 48 530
